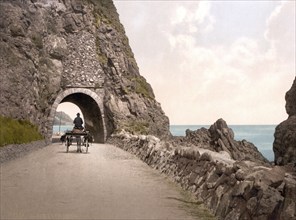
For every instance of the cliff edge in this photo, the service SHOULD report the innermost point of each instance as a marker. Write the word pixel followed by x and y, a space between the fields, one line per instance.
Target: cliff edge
pixel 284 145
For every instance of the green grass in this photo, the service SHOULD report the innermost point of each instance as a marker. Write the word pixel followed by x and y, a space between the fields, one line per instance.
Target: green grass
pixel 142 87
pixel 17 131
pixel 135 126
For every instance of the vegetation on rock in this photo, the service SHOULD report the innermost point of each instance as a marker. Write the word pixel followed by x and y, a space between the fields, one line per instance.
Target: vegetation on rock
pixel 141 87
pixel 135 127
pixel 17 131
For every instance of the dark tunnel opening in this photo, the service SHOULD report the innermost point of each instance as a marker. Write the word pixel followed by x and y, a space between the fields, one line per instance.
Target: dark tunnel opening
pixel 93 121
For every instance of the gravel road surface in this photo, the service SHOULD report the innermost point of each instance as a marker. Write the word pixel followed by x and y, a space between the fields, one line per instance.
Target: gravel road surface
pixel 106 183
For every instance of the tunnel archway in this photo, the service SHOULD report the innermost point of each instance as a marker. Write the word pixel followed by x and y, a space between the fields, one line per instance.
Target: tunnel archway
pixel 91 106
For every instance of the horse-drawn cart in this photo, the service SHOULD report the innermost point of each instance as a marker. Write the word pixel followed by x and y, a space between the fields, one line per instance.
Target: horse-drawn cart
pixel 83 138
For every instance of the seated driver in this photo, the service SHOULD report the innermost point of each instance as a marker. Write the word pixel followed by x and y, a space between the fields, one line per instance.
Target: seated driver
pixel 78 122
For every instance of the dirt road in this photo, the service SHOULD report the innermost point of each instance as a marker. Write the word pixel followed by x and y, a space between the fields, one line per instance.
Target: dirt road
pixel 106 183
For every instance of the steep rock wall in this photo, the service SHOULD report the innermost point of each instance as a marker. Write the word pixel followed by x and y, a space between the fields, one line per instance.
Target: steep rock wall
pixel 284 145
pixel 49 48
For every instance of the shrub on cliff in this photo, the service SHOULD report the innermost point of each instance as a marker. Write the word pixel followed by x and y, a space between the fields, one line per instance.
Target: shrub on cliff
pixel 17 131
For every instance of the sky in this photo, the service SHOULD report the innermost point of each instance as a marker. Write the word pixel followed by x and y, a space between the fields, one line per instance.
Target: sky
pixel 70 108
pixel 207 60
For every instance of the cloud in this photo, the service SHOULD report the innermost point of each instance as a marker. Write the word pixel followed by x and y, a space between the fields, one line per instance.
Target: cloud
pixel 192 18
pixel 198 80
pixel 281 31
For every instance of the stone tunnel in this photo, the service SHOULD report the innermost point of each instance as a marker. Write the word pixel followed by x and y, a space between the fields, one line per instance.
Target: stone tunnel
pixel 91 106
pixel 73 51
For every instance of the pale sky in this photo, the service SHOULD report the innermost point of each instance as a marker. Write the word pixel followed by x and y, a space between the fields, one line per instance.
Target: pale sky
pixel 207 60
pixel 214 59
pixel 70 109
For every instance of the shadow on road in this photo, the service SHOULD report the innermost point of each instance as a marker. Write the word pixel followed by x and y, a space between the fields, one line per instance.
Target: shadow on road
pixel 71 152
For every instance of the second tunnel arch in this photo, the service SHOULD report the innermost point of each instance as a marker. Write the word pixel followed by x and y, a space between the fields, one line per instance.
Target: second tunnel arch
pixel 91 106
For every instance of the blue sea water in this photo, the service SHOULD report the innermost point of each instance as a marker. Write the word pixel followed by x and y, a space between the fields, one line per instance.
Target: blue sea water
pixel 260 135
pixel 62 128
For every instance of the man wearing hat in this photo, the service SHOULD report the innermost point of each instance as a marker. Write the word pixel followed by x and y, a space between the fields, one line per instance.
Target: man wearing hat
pixel 78 122
pixel 78 126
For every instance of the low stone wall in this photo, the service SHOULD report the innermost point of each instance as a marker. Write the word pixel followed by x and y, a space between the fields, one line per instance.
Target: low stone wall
pixel 14 151
pixel 230 189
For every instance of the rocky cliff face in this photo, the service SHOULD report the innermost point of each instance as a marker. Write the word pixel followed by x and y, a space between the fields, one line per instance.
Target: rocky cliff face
pixel 284 145
pixel 73 50
pixel 219 137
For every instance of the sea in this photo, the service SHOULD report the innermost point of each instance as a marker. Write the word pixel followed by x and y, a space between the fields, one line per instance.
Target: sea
pixel 260 135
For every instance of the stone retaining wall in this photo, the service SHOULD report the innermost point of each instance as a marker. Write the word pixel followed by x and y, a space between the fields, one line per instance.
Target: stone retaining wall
pixel 230 189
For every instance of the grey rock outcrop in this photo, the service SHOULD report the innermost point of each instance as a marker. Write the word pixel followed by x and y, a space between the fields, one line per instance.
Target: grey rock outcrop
pixel 219 137
pixel 284 145
pixel 291 100
pixel 77 48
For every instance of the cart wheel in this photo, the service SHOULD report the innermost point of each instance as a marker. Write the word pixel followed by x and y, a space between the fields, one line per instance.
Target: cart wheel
pixel 86 145
pixel 67 144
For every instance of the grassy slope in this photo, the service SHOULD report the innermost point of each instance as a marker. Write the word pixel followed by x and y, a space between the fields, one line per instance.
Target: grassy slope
pixel 17 132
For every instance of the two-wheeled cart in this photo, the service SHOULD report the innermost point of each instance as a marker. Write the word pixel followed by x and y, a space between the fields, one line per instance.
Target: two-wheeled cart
pixel 81 137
